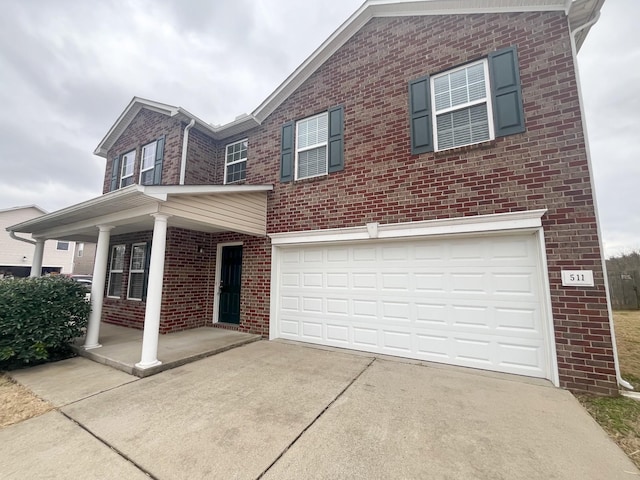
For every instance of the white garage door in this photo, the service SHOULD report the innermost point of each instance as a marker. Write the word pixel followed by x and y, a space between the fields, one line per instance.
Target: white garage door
pixel 471 301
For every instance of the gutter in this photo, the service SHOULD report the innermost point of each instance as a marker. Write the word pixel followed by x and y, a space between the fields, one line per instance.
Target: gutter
pixel 621 381
pixel 13 235
pixel 185 143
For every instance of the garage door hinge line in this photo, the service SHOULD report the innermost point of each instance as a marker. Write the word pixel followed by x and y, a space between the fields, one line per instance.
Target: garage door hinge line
pixel 315 419
pixel 111 447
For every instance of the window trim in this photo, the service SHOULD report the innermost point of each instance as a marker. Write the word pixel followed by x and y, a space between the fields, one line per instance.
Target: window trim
pixel 226 163
pixel 312 147
pixel 142 271
pixel 488 101
pixel 122 165
pixel 112 271
pixel 153 162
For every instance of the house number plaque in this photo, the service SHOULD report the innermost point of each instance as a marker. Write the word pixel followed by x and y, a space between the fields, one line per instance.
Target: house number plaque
pixel 577 278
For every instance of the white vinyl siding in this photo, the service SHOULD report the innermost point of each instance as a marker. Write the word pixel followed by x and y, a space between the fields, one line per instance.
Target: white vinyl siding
pixel 311 146
pixel 235 166
pixel 147 164
pixel 116 267
pixel 126 169
pixel 462 107
pixel 137 271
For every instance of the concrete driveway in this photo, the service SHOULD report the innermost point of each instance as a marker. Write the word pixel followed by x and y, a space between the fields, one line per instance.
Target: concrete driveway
pixel 287 411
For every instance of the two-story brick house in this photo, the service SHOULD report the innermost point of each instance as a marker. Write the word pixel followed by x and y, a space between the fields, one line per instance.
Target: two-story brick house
pixel 420 186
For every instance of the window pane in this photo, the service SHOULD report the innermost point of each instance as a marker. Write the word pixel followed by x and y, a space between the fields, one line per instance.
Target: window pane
pixel 148 155
pixel 117 257
pixel 146 178
pixel 137 257
pixel 463 127
pixel 62 246
pixel 237 151
pixel 312 131
pixel 136 282
pixel 312 162
pixel 115 285
pixel 459 87
pixel 236 172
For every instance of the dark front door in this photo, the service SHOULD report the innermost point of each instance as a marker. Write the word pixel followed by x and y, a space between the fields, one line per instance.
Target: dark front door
pixel 230 276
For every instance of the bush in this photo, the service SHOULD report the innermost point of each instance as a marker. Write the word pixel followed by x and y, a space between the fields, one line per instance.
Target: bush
pixel 39 317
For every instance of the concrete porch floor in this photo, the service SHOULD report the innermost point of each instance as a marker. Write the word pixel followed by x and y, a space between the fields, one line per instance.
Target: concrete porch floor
pixel 121 347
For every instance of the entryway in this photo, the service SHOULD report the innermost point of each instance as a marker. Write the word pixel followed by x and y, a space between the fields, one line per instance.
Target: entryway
pixel 229 279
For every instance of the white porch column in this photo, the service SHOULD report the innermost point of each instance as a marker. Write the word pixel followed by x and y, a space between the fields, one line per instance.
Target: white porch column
pixel 97 287
pixel 149 357
pixel 36 265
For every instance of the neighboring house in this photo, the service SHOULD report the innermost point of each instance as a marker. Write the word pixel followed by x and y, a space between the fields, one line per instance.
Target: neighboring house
pixel 16 256
pixel 83 258
pixel 420 187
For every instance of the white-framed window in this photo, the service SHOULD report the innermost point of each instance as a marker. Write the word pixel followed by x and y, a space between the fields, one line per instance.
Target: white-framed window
pixel 116 267
pixel 137 271
pixel 62 246
pixel 311 146
pixel 80 249
pixel 461 105
pixel 235 165
pixel 126 169
pixel 147 163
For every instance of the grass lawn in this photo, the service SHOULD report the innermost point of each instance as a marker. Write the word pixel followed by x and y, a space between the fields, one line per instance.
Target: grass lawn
pixel 18 403
pixel 620 417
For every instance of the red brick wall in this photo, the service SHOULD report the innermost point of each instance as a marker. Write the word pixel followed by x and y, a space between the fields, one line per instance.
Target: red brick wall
pixel 204 160
pixel 146 127
pixel 546 167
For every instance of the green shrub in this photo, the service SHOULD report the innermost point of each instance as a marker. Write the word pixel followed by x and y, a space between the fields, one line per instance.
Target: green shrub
pixel 39 317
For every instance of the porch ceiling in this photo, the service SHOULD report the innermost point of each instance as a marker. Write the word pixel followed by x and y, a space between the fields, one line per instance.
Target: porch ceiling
pixel 206 208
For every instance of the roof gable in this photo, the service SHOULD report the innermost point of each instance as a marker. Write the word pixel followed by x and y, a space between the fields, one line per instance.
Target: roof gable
pixel 580 13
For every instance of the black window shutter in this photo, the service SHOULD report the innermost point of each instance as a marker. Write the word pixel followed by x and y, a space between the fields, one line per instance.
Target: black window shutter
pixel 336 140
pixel 508 113
pixel 147 262
pixel 157 168
pixel 115 174
pixel 286 152
pixel 420 115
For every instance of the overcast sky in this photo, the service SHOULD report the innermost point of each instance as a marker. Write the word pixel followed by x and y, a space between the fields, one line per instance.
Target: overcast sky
pixel 68 68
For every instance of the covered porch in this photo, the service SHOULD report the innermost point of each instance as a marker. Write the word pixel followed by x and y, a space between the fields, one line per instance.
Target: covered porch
pixel 210 209
pixel 121 347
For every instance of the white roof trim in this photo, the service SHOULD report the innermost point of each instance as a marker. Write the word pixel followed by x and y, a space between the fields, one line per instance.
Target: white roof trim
pixel 477 224
pixel 23 207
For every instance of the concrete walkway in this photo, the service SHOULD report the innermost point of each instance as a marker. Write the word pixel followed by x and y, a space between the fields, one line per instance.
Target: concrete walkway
pixel 278 410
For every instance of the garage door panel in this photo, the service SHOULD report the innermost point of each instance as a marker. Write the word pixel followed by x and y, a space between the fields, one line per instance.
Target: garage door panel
pixel 473 302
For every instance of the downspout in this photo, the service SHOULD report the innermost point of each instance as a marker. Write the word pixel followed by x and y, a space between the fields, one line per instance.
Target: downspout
pixel 621 381
pixel 13 235
pixel 185 143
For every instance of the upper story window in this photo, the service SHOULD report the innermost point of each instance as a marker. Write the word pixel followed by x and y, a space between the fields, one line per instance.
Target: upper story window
pixel 128 161
pixel 461 106
pixel 468 104
pixel 313 146
pixel 62 246
pixel 148 163
pixel 235 165
pixel 123 166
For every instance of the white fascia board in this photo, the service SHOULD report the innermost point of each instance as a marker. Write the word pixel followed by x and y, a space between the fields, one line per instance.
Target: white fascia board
pixel 478 224
pixel 161 192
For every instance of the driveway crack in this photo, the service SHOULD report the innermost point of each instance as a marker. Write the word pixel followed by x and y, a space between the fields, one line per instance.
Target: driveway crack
pixel 315 419
pixel 111 447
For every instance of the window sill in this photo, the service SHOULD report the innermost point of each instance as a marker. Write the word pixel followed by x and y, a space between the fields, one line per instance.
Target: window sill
pixel 467 148
pixel 311 179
